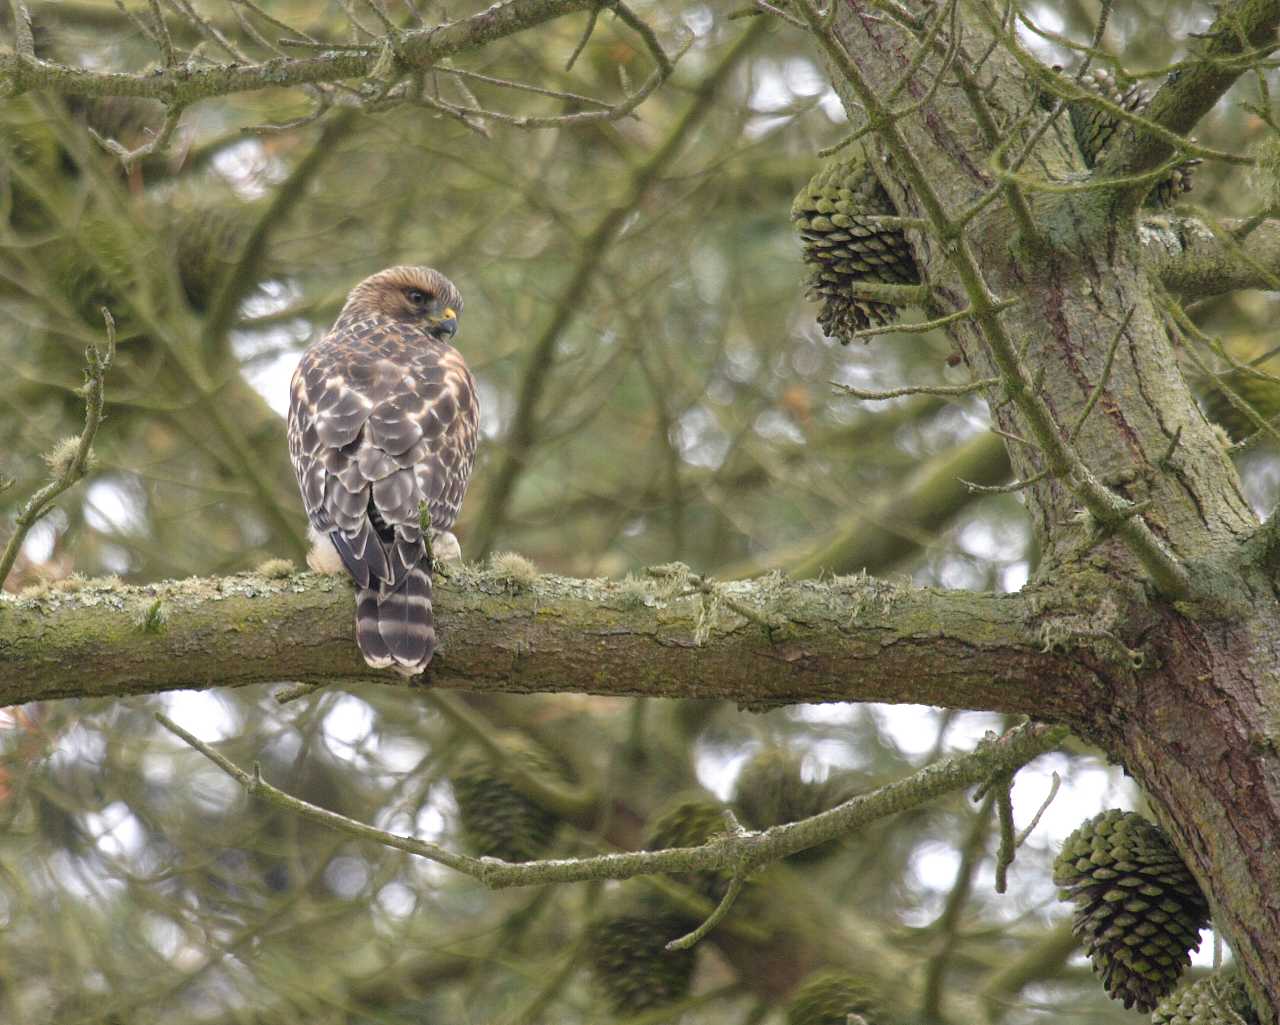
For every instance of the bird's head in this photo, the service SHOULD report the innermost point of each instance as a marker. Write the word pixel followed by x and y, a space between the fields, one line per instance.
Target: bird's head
pixel 417 296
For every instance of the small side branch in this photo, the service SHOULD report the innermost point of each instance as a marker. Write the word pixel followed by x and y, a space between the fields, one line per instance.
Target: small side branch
pixel 945 390
pixel 739 853
pixel 715 918
pixel 158 141
pixel 1005 489
pixel 71 469
pixel 23 39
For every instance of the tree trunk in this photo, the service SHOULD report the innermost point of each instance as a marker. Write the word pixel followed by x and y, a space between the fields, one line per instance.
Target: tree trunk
pixel 1190 708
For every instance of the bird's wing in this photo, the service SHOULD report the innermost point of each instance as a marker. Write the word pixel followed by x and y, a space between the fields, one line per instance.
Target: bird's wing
pixel 451 428
pixel 376 428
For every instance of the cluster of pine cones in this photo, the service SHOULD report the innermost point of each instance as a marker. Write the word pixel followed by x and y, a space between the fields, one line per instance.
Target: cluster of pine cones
pixel 1138 909
pixel 845 242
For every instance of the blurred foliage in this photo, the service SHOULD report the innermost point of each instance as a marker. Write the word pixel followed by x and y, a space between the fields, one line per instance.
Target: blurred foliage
pixel 687 414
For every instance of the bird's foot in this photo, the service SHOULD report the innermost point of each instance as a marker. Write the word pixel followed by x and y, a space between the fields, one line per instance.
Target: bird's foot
pixel 444 547
pixel 323 557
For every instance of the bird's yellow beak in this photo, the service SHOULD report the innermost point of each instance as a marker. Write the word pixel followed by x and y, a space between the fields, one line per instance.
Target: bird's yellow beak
pixel 448 323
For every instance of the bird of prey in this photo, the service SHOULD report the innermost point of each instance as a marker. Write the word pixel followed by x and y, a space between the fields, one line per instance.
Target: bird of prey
pixel 383 422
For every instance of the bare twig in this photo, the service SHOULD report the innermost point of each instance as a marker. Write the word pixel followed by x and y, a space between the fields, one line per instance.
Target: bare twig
pixel 922 389
pixel 67 470
pixel 645 31
pixel 592 18
pixel 715 918
pixel 615 112
pixel 1044 806
pixel 208 29
pixel 1005 489
pixel 946 927
pixel 896 295
pixel 1098 388
pixel 777 12
pixel 923 326
pixel 1008 843
pixel 272 20
pixel 128 157
pixel 1194 334
pixel 527 87
pixel 295 691
pixel 1164 461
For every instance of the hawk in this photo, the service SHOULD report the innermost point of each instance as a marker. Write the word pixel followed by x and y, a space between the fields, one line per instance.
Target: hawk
pixel 383 422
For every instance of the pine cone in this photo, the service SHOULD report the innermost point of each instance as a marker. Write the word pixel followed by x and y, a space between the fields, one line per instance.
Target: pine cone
pixel 1138 909
pixel 828 998
pixel 1219 999
pixel 208 240
pixel 843 244
pixel 1094 128
pixel 632 966
pixel 771 791
pixel 96 267
pixel 691 822
pixel 497 820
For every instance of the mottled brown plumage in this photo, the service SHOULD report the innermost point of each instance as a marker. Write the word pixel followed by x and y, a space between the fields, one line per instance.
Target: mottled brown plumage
pixel 383 422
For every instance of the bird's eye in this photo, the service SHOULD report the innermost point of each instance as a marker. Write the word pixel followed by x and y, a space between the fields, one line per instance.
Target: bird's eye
pixel 418 297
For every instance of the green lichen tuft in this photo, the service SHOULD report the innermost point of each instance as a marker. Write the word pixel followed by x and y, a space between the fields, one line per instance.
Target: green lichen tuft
pixel 276 569
pixel 634 592
pixel 60 458
pixel 70 584
pixel 514 570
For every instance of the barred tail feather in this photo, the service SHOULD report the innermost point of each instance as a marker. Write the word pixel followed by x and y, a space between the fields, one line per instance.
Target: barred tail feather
pixel 372 646
pixel 396 629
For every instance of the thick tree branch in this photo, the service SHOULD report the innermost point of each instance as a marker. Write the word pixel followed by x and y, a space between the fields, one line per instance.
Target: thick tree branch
pixel 1195 261
pixel 1242 31
pixel 847 639
pixel 183 85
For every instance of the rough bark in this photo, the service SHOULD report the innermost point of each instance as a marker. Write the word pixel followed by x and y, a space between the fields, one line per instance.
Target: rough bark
pixel 1197 727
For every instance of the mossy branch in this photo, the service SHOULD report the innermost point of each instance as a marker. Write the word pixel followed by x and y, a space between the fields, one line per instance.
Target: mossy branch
pixel 1241 29
pixel 846 639
pixel 1196 258
pixel 739 852
pixel 188 83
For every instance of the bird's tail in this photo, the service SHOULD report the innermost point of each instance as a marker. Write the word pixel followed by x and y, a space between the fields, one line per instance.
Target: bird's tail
pixel 396 629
